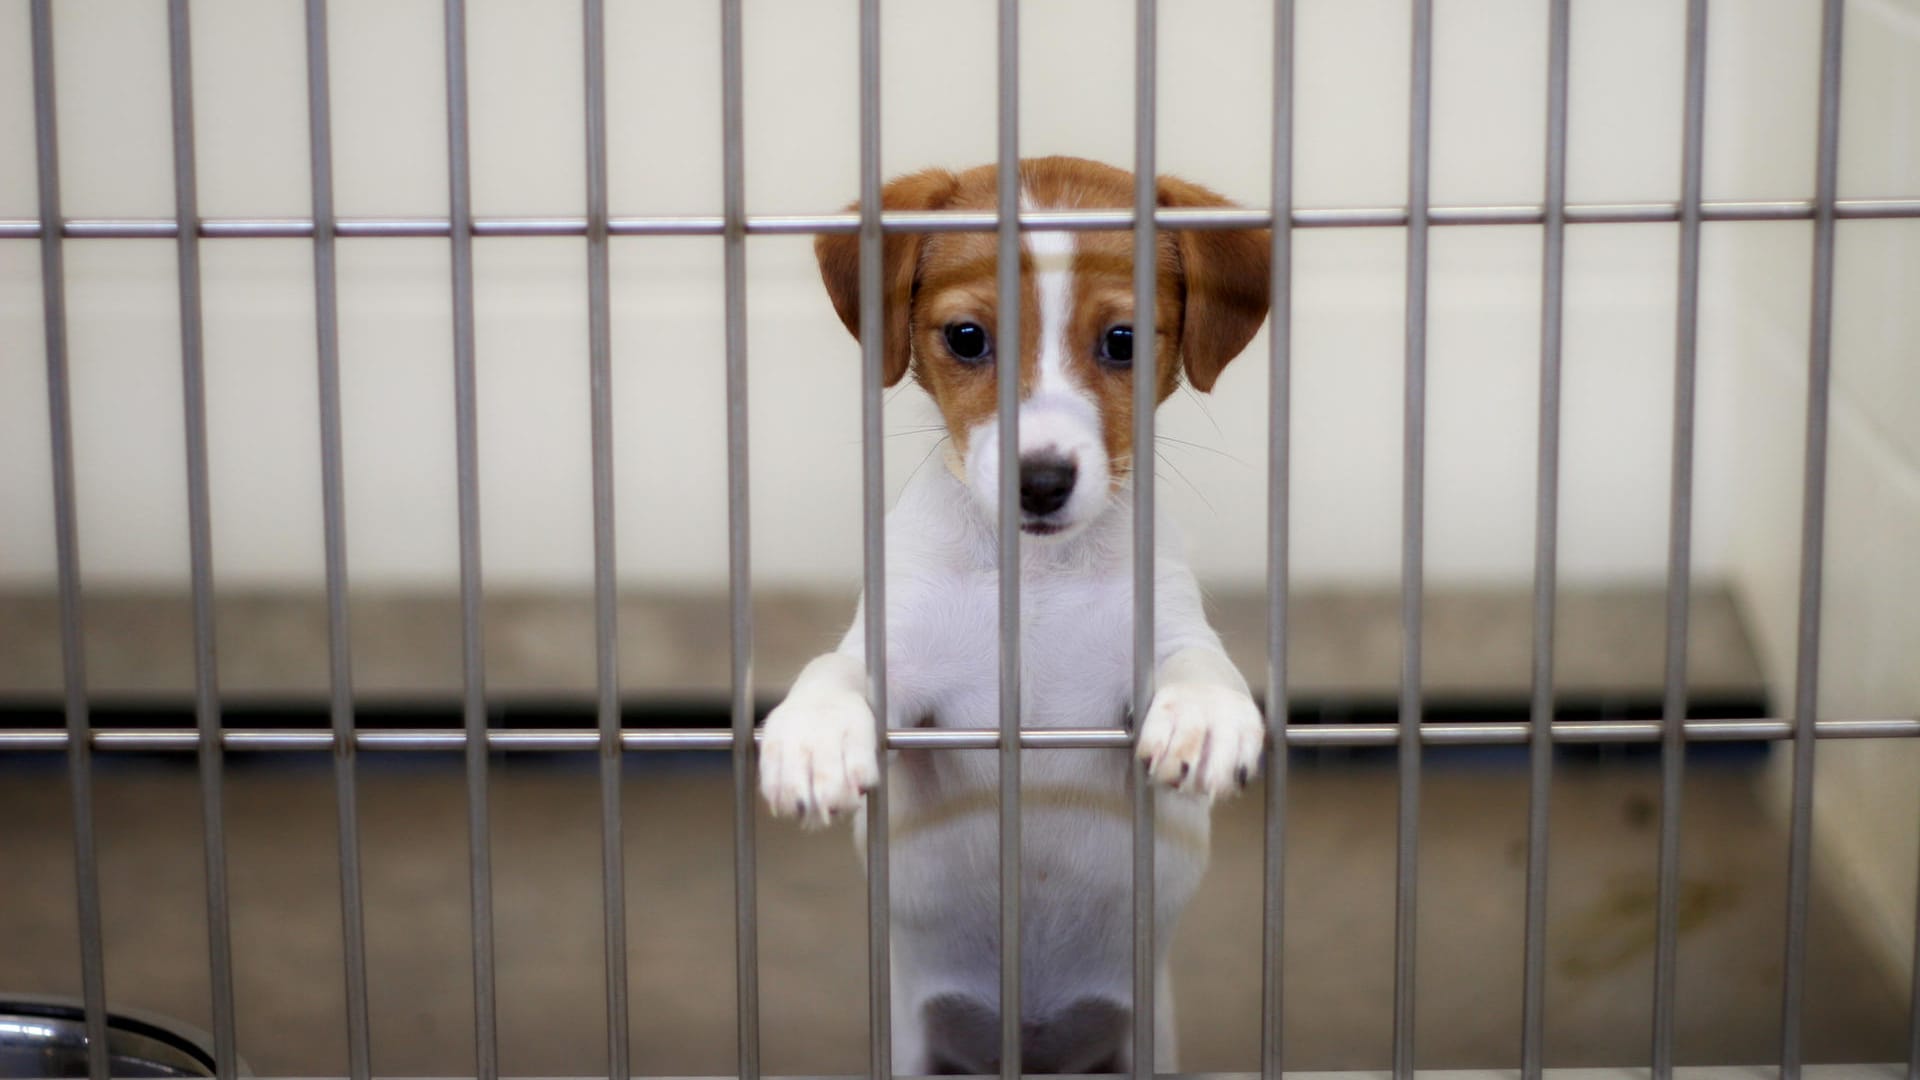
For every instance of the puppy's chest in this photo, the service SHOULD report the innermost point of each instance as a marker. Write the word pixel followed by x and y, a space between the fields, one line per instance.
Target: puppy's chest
pixel 1076 652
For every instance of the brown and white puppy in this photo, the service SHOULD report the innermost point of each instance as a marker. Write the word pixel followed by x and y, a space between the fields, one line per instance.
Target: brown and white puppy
pixel 1202 737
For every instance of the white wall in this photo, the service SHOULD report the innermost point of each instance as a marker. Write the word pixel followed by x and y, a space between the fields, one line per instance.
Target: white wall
pixel 801 155
pixel 1867 806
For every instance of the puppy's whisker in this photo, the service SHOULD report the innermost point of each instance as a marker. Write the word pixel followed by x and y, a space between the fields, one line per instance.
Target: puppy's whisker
pixel 1168 462
pixel 1202 403
pixel 901 433
pixel 924 457
pixel 1236 459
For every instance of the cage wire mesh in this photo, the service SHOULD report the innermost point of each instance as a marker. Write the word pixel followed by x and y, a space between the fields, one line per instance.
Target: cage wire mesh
pixel 211 739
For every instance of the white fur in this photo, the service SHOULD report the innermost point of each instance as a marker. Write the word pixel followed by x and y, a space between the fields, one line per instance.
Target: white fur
pixel 1202 736
pixel 1052 254
pixel 1060 417
pixel 942 619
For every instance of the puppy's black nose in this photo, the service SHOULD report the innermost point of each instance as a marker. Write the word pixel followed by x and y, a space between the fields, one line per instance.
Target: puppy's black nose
pixel 1045 485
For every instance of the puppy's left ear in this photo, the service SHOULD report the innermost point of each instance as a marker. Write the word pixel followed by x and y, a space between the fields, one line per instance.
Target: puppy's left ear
pixel 1224 279
pixel 839 255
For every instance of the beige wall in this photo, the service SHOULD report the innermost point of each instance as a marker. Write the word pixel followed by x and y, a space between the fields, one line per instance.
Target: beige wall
pixel 1867 810
pixel 801 143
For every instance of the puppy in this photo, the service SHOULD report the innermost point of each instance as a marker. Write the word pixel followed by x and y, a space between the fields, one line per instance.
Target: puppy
pixel 1202 737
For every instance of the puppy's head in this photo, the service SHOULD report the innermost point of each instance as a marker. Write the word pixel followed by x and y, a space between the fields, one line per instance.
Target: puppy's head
pixel 1076 350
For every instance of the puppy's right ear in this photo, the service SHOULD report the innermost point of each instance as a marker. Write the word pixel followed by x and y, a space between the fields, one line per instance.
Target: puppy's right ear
pixel 839 255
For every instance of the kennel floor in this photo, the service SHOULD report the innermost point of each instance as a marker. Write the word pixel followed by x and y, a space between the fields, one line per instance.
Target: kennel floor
pixel 285 895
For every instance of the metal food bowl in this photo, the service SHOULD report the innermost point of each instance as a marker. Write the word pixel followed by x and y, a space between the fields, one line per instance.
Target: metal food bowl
pixel 46 1038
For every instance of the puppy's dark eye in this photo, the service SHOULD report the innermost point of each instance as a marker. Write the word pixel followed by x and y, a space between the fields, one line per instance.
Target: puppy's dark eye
pixel 1116 345
pixel 968 340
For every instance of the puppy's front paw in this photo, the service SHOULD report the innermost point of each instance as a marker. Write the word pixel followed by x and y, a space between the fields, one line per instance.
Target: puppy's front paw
pixel 1202 738
pixel 817 757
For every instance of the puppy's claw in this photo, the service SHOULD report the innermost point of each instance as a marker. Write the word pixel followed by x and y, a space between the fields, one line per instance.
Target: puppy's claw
pixel 817 757
pixel 1202 738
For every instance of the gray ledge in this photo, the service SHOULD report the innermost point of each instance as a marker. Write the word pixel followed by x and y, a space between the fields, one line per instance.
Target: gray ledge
pixel 673 647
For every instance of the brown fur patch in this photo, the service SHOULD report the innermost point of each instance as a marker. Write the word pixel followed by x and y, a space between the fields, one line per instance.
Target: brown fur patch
pixel 1212 293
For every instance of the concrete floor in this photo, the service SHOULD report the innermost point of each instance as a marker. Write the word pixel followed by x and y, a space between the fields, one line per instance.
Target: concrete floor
pixel 282 859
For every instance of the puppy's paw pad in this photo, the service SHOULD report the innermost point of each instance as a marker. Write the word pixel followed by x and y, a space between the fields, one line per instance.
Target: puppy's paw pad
pixel 818 758
pixel 1202 738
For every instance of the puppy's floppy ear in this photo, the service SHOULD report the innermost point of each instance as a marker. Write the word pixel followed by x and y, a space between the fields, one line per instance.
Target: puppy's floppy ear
pixel 1224 285
pixel 839 256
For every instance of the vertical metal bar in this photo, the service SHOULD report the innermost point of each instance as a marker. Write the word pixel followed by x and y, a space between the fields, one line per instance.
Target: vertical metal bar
pixel 466 436
pixel 1679 548
pixel 326 308
pixel 1412 525
pixel 873 524
pixel 606 610
pixel 53 296
pixel 1145 396
pixel 199 537
pixel 1546 539
pixel 873 521
pixel 1913 1001
pixel 1279 478
pixel 1007 331
pixel 1813 522
pixel 746 933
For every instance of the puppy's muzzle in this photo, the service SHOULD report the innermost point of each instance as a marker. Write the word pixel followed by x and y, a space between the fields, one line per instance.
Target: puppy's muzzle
pixel 1046 483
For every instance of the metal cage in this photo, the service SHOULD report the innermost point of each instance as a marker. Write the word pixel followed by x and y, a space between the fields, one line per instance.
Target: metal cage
pixel 211 739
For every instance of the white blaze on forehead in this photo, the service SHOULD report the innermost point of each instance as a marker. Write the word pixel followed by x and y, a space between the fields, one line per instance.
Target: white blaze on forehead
pixel 1052 254
pixel 1059 418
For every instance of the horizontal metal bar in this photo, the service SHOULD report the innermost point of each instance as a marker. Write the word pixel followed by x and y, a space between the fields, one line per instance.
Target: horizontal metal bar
pixel 656 739
pixel 1594 731
pixel 1860 1071
pixel 963 221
